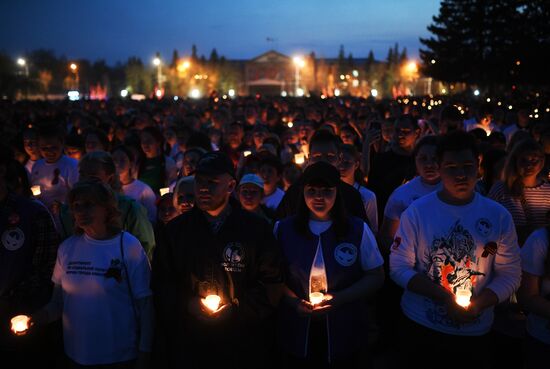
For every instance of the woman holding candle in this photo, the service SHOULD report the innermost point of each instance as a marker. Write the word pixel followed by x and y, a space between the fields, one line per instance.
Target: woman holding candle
pixel 332 264
pixel 101 285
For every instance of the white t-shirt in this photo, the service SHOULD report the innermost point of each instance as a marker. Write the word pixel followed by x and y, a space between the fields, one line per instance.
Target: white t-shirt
pixel 472 247
pixel 533 257
pixel 369 202
pixel 55 179
pixel 141 192
pixel 272 201
pixel 404 195
pixel 99 323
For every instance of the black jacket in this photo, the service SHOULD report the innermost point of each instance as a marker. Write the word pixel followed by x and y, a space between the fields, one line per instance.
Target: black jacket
pixel 237 263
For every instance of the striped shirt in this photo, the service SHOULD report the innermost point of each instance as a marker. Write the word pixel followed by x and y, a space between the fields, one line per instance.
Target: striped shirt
pixel 528 211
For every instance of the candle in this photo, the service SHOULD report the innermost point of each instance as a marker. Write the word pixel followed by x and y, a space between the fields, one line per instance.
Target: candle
pixel 35 190
pixel 246 153
pixel 212 302
pixel 316 297
pixel 20 324
pixel 462 297
pixel 299 158
pixel 164 191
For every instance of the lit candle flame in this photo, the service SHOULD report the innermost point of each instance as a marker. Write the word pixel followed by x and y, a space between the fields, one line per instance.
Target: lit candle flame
pixel 299 158
pixel 246 153
pixel 212 302
pixel 462 297
pixel 20 324
pixel 164 191
pixel 36 190
pixel 316 297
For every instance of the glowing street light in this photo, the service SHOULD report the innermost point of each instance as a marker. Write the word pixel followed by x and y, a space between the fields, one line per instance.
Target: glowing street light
pixel 183 66
pixel 231 92
pixel 74 68
pixel 411 67
pixel 123 93
pixel 157 62
pixel 476 92
pixel 23 63
pixel 299 63
pixel 374 92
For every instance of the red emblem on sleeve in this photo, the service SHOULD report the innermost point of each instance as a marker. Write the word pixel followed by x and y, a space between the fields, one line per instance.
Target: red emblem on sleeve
pixel 489 248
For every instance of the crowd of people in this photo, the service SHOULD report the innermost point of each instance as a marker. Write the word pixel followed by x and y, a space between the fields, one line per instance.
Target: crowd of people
pixel 262 232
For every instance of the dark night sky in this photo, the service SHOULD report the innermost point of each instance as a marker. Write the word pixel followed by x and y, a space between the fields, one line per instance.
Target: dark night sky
pixel 116 29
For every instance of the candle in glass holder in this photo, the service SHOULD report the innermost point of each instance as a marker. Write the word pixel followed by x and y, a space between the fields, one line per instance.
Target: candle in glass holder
pixel 20 324
pixel 462 297
pixel 212 302
pixel 164 191
pixel 246 153
pixel 299 158
pixel 35 190
pixel 316 297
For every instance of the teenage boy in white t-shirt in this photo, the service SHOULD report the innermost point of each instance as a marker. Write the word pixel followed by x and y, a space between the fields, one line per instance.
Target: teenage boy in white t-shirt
pixel 450 242
pixel 55 173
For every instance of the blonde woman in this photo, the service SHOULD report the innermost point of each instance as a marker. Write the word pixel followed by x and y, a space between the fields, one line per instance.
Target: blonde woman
pixel 101 285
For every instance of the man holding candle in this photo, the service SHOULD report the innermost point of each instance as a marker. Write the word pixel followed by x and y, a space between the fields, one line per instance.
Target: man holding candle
pixel 449 242
pixel 215 249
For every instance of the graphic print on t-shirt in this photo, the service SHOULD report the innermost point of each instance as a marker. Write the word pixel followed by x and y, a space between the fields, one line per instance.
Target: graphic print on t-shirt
pixel 86 268
pixel 452 264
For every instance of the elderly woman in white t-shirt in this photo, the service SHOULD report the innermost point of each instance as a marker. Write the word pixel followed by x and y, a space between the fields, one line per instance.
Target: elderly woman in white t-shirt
pixel 101 285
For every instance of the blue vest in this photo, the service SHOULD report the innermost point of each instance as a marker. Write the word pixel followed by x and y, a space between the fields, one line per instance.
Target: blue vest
pixel 346 325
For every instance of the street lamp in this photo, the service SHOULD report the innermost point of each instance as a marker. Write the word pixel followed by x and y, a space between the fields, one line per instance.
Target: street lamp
pixel 299 63
pixel 23 63
pixel 410 70
pixel 74 69
pixel 158 63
